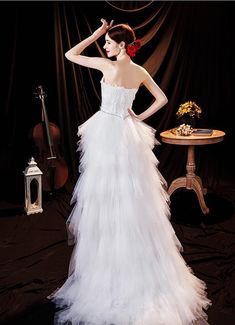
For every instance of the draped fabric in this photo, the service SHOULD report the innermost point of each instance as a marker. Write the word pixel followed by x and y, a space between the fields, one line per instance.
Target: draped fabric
pixel 187 48
pixel 176 53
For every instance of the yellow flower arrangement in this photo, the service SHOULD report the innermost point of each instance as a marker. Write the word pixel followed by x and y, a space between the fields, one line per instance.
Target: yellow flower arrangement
pixel 189 108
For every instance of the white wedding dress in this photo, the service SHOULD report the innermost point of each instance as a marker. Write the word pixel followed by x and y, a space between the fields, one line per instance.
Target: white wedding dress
pixel 126 267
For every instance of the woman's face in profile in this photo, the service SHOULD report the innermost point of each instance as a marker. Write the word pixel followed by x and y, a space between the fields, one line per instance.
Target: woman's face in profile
pixel 111 47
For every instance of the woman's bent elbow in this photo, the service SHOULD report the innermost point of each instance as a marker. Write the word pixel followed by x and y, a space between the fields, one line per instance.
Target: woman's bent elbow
pixel 165 100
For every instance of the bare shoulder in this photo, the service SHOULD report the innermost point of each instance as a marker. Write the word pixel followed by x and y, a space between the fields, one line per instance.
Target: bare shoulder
pixel 141 71
pixel 137 67
pixel 146 80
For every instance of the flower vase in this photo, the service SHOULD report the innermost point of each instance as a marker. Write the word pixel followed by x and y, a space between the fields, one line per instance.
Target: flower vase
pixel 187 119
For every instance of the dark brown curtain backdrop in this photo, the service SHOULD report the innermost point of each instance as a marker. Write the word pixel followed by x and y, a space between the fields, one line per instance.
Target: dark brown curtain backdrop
pixel 188 48
pixel 184 49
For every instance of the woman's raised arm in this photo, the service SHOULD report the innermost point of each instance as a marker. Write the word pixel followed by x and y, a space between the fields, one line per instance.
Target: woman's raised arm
pixel 74 54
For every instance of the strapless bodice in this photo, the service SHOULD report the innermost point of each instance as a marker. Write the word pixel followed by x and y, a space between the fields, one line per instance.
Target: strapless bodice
pixel 116 100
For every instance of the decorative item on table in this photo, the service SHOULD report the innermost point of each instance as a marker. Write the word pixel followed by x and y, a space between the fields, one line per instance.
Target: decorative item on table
pixel 183 129
pixel 202 132
pixel 188 113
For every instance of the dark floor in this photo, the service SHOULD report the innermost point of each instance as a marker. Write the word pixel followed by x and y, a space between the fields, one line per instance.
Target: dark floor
pixel 35 254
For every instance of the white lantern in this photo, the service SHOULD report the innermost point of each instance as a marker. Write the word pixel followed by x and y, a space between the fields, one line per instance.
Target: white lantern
pixel 32 174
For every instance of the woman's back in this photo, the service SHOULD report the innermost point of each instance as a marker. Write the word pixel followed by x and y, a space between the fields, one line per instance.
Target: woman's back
pixel 126 74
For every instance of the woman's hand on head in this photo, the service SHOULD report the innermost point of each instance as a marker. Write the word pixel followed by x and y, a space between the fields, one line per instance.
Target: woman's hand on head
pixel 104 28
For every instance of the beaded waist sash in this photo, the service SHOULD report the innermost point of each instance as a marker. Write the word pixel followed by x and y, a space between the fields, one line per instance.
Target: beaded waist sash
pixel 118 115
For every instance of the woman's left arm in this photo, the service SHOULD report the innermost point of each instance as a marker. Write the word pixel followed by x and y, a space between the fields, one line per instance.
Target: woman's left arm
pixel 160 97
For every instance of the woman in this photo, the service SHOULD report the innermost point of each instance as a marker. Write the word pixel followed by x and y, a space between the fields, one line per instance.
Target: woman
pixel 126 267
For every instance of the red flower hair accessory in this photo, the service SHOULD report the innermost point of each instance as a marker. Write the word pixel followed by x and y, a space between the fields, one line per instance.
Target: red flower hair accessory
pixel 133 47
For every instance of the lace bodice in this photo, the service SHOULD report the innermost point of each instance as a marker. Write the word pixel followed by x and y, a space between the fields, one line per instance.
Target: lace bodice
pixel 116 99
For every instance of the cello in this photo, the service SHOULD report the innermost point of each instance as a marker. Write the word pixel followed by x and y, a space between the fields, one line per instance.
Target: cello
pixel 46 136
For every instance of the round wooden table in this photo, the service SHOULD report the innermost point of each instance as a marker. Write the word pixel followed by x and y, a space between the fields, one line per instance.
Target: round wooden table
pixel 191 181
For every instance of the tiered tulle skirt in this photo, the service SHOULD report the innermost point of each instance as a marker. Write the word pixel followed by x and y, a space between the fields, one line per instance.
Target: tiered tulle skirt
pixel 126 267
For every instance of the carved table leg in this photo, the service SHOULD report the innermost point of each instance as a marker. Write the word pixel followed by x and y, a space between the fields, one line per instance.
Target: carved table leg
pixel 177 183
pixel 191 181
pixel 204 190
pixel 196 186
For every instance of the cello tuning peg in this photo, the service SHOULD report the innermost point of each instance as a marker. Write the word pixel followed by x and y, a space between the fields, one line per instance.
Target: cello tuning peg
pixel 39 93
pixel 36 95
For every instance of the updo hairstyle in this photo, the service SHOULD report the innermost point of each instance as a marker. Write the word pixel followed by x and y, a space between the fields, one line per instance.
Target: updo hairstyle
pixel 122 33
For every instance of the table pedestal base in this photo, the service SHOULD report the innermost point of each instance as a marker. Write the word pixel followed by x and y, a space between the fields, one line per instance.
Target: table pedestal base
pixel 191 181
